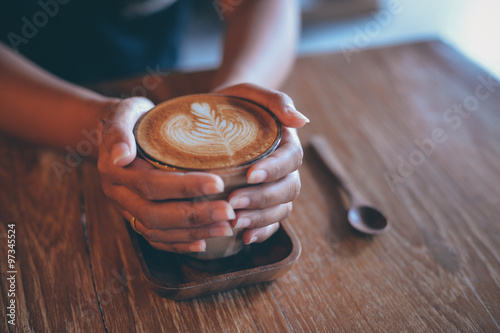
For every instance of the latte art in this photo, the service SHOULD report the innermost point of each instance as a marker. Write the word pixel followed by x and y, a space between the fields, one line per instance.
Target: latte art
pixel 209 132
pixel 206 132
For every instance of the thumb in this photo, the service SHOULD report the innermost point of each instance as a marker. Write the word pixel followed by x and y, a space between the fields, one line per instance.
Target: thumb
pixel 118 125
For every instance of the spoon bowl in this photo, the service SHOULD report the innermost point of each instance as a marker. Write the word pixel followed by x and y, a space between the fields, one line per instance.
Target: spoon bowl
pixel 368 220
pixel 362 215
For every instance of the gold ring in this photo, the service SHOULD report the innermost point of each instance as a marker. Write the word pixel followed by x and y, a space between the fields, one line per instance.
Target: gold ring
pixel 132 223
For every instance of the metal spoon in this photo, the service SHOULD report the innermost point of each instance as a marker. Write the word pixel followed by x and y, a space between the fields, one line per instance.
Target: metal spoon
pixel 362 215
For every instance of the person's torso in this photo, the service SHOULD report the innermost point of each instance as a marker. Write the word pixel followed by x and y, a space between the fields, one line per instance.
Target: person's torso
pixel 92 40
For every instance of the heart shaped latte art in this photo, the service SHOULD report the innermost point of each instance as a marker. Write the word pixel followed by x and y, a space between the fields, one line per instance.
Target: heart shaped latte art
pixel 206 131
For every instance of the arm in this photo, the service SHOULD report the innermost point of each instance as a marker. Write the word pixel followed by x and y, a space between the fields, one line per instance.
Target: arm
pixel 260 41
pixel 39 107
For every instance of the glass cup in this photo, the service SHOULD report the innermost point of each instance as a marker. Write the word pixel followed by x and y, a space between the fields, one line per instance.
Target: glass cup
pixel 234 177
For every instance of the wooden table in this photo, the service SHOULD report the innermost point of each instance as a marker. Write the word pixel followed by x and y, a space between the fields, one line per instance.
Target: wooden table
pixel 437 269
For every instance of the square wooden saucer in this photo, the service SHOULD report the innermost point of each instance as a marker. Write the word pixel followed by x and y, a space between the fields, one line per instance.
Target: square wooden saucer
pixel 170 278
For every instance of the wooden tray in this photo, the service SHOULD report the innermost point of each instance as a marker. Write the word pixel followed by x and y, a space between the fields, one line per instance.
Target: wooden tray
pixel 171 279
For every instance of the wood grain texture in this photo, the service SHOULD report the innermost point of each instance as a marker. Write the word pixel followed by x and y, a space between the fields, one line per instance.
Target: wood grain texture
pixel 436 270
pixel 54 288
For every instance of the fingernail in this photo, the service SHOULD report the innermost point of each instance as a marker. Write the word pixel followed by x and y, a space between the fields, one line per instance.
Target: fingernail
pixel 298 115
pixel 119 152
pixel 243 222
pixel 252 240
pixel 239 202
pixel 257 176
pixel 213 188
pixel 198 247
pixel 221 231
pixel 223 214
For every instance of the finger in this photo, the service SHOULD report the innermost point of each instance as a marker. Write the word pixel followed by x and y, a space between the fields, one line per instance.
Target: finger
pixel 218 229
pixel 170 214
pixel 155 184
pixel 286 159
pixel 117 129
pixel 198 245
pixel 260 234
pixel 190 247
pixel 268 194
pixel 261 217
pixel 280 104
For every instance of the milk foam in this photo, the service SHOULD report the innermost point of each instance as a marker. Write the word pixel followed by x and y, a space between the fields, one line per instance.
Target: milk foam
pixel 206 131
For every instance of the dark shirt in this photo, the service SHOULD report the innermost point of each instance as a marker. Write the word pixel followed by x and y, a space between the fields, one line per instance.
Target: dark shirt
pixel 87 41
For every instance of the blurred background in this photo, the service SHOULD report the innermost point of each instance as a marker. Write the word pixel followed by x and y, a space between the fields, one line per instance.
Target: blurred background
pixel 471 26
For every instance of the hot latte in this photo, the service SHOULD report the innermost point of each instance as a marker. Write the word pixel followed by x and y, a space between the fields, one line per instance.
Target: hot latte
pixel 207 132
pixel 215 133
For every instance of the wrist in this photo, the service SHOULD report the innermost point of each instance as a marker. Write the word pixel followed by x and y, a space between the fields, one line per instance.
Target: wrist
pixel 227 77
pixel 92 110
pixel 100 107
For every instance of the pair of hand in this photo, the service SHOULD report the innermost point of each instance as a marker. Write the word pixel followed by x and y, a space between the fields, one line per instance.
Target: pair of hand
pixel 139 190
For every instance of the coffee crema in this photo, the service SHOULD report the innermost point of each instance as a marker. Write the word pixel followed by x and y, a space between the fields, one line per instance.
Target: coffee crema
pixel 207 132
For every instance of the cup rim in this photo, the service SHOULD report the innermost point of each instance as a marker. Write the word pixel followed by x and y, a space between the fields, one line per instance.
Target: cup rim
pixel 166 166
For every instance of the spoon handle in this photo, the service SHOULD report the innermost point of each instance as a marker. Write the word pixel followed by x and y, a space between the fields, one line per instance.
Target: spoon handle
pixel 331 161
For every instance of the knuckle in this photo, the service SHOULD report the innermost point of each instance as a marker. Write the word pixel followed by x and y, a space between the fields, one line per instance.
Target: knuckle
pixel 195 234
pixel 108 128
pixel 144 188
pixel 259 219
pixel 202 204
pixel 288 209
pixel 265 198
pixel 153 236
pixel 296 186
pixel 281 97
pixel 186 192
pixel 278 168
pixel 189 216
pixel 299 155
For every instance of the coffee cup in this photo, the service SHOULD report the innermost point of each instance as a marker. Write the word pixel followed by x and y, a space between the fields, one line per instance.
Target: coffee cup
pixel 219 134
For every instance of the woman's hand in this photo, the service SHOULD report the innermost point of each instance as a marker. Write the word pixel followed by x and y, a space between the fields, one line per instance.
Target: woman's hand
pixel 144 195
pixel 139 190
pixel 260 208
